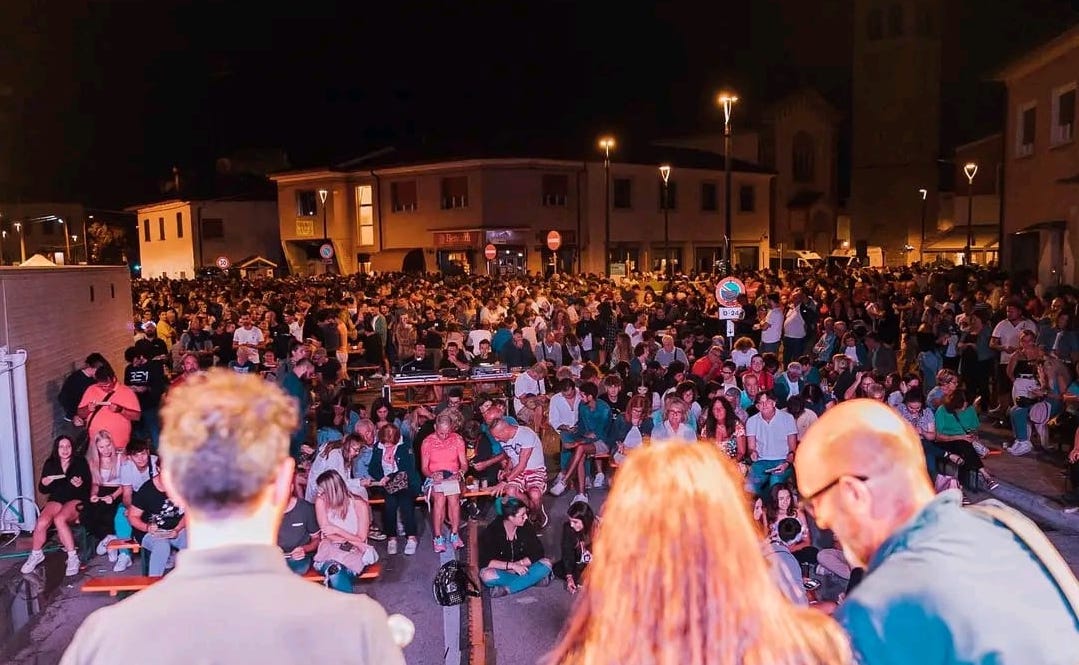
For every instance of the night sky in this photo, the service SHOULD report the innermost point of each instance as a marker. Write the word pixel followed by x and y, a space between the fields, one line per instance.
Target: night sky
pixel 108 96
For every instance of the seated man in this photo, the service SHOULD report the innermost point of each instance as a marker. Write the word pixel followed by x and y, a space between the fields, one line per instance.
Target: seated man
pixel 488 458
pixel 299 535
pixel 771 437
pixel 593 436
pixel 527 478
pixel 159 521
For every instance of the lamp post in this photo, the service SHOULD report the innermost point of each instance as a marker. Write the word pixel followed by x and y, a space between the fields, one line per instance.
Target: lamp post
pixel 665 173
pixel 970 169
pixel 921 246
pixel 67 241
pixel 3 241
pixel 606 143
pixel 22 241
pixel 322 195
pixel 75 239
pixel 727 101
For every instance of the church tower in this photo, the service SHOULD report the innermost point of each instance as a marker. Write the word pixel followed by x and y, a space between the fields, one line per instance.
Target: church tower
pixel 896 110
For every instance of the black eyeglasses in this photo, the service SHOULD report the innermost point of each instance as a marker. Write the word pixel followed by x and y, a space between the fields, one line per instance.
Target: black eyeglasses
pixel 809 499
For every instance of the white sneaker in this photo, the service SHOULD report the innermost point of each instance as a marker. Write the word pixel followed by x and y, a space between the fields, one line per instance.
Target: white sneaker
pixel 391 546
pixel 410 546
pixel 558 487
pixel 103 546
pixel 560 478
pixel 32 561
pixel 72 564
pixel 599 481
pixel 112 554
pixel 123 562
pixel 580 497
pixel 1021 448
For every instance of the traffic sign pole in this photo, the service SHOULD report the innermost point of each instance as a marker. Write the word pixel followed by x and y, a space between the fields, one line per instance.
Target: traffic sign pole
pixel 728 291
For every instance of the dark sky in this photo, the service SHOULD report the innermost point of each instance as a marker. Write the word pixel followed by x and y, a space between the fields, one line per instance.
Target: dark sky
pixel 109 95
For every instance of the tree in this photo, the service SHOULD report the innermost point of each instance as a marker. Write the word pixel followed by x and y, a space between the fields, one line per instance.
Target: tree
pixel 106 244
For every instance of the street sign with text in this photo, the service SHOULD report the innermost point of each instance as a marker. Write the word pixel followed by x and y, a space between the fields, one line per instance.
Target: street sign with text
pixel 223 262
pixel 731 313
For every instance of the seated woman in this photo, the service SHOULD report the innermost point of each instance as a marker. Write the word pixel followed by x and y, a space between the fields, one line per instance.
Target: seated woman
pixel 343 520
pixel 914 411
pixel 577 535
pixel 781 505
pixel 393 468
pixel 687 392
pixel 328 424
pixel 957 429
pixel 443 463
pixel 338 455
pixel 106 492
pixel 1037 393
pixel 630 429
pixel 65 480
pixel 511 554
pixel 673 426
pixel 722 428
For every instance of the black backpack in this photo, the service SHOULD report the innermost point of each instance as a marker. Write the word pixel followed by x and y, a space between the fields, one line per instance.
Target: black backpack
pixel 453 584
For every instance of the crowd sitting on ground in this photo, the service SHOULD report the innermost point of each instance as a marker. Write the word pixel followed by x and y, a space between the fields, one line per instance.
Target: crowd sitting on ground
pixel 603 368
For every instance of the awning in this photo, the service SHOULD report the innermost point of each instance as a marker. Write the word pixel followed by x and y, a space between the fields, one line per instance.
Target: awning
pixel 1052 225
pixel 986 239
pixel 255 262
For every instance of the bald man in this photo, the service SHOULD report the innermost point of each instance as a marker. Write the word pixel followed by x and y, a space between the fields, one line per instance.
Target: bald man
pixel 944 585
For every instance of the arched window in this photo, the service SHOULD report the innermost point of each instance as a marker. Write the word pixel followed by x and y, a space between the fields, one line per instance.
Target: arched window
pixel 803 152
pixel 895 21
pixel 874 25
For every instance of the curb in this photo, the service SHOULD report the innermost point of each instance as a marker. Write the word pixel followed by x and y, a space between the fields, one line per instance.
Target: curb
pixel 1043 510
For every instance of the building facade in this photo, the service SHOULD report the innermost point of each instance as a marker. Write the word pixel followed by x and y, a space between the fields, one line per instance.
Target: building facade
pixel 1041 161
pixel 443 215
pixel 896 109
pixel 178 237
pixel 976 200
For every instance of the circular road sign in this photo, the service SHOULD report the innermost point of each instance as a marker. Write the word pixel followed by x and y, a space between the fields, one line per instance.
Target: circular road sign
pixel 490 252
pixel 727 291
pixel 223 262
pixel 326 251
pixel 554 240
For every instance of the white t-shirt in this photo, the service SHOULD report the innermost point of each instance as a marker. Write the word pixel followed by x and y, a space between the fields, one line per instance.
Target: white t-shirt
pixel 1008 334
pixel 130 475
pixel 525 438
pixel 774 331
pixel 794 325
pixel 636 336
pixel 563 412
pixel 741 358
pixel 526 385
pixel 476 336
pixel 251 337
pixel 771 436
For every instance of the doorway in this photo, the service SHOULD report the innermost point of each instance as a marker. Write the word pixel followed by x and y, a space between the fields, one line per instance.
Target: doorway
pixel 414 262
pixel 511 261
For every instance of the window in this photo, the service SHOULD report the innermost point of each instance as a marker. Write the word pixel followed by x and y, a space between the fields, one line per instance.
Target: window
pixel 622 193
pixel 306 203
pixel 709 197
pixel 895 21
pixel 555 190
pixel 455 192
pixel 672 195
pixel 1064 114
pixel 747 198
pixel 179 225
pixel 874 25
pixel 161 227
pixel 802 157
pixel 365 212
pixel 146 230
pixel 1024 140
pixel 213 228
pixel 402 195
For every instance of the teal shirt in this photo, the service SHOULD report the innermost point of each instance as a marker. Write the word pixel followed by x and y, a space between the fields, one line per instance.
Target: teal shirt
pixel 595 421
pixel 951 588
pixel 956 424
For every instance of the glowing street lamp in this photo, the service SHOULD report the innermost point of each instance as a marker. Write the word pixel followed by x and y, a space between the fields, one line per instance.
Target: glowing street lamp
pixel 727 100
pixel 921 247
pixel 67 240
pixel 606 144
pixel 970 169
pixel 665 173
pixel 22 241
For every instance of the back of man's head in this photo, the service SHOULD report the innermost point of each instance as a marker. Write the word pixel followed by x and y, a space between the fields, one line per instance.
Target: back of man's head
pixel 788 529
pixel 224 438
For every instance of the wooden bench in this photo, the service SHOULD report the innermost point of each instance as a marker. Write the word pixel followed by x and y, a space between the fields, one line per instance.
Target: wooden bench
pixel 118 544
pixel 421 499
pixel 116 584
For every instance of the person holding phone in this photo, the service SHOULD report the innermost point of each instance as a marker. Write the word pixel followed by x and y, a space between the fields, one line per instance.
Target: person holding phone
pixel 66 481
pixel 162 520
pixel 443 461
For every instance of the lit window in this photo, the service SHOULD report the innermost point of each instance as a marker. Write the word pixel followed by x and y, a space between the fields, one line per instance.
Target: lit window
pixel 365 213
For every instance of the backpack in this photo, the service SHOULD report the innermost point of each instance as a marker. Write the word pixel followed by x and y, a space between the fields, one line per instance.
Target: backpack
pixel 453 584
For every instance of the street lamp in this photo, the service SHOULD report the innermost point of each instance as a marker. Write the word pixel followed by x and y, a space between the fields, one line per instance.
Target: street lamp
pixel 921 247
pixel 606 143
pixel 322 194
pixel 22 241
pixel 67 241
pixel 75 239
pixel 665 173
pixel 3 241
pixel 727 100
pixel 970 169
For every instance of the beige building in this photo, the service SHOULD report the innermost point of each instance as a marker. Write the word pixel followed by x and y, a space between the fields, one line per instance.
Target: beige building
pixel 95 302
pixel 386 214
pixel 1041 161
pixel 177 237
pixel 54 230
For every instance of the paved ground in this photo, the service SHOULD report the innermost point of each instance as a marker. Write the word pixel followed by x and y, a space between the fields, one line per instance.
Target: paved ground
pixel 39 613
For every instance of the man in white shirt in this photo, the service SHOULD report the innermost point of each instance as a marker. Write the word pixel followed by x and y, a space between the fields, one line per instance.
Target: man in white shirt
pixel 794 329
pixel 529 382
pixel 1005 339
pixel 772 326
pixel 527 478
pixel 250 336
pixel 475 337
pixel 562 417
pixel 771 437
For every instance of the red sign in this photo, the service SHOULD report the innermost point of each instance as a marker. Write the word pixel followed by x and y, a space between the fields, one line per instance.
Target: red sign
pixel 554 241
pixel 728 290
pixel 449 239
pixel 490 252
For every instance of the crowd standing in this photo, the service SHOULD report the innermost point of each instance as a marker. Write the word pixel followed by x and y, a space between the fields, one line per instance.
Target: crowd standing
pixel 604 371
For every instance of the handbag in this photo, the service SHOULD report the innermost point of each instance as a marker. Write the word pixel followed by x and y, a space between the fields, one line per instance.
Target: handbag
pixel 350 558
pixel 396 482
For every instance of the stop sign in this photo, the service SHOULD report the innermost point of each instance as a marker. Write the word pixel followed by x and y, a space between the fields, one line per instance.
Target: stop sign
pixel 490 252
pixel 554 241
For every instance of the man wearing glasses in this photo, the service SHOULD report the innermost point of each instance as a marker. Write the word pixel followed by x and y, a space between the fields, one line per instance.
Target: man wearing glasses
pixel 944 584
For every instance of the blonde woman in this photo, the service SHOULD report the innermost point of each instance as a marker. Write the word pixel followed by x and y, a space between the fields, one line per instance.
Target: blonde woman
pixel 343 520
pixel 106 492
pixel 712 597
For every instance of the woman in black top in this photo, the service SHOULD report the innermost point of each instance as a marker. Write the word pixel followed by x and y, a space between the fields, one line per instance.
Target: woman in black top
pixel 511 555
pixel 576 545
pixel 66 480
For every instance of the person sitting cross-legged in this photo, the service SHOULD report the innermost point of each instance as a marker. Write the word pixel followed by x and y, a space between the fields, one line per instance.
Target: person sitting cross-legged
pixel 511 554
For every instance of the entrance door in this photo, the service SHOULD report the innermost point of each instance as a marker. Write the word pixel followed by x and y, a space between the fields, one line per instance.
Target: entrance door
pixel 511 261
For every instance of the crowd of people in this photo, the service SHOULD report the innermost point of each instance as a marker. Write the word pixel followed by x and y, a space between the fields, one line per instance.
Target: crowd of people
pixel 605 372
